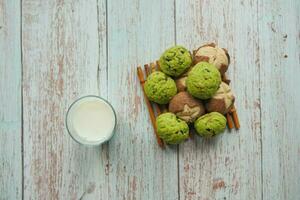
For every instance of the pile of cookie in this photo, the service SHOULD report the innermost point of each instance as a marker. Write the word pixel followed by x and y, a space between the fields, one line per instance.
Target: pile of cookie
pixel 190 85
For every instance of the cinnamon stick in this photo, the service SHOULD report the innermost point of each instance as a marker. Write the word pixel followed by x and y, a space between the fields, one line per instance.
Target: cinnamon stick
pixel 153 69
pixel 151 113
pixel 233 110
pixel 229 121
pixel 235 118
pixel 147 70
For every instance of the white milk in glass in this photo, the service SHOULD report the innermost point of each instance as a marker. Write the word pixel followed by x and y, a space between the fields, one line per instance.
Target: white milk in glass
pixel 91 120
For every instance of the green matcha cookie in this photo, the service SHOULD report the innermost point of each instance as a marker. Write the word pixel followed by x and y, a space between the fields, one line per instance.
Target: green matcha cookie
pixel 171 129
pixel 210 124
pixel 160 88
pixel 203 80
pixel 175 60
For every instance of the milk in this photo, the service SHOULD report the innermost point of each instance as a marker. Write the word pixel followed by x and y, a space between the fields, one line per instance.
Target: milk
pixel 91 120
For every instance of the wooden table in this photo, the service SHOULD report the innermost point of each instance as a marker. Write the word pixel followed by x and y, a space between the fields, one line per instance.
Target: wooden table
pixel 52 52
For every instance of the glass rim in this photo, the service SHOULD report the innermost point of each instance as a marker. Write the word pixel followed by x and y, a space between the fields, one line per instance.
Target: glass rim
pixel 86 143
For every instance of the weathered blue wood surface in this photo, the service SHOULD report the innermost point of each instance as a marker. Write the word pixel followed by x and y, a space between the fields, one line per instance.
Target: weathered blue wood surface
pixel 11 101
pixel 64 57
pixel 74 48
pixel 279 53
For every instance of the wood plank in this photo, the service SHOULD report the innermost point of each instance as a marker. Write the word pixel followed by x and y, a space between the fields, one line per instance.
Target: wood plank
pixel 138 32
pixel 11 101
pixel 64 51
pixel 228 166
pixel 279 38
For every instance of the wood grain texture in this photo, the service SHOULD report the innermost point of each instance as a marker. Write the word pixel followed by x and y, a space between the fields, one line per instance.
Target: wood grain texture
pixel 64 53
pixel 138 32
pixel 74 48
pixel 10 103
pixel 228 166
pixel 279 36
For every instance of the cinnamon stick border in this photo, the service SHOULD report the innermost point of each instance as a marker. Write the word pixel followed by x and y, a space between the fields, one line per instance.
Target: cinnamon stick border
pixel 152 68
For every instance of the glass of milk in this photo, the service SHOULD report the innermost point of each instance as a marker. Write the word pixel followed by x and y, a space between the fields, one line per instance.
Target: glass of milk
pixel 91 120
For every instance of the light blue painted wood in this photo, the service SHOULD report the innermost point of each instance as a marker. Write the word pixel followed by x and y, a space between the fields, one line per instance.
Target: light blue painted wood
pixel 10 103
pixel 228 166
pixel 279 38
pixel 138 32
pixel 64 51
pixel 65 56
